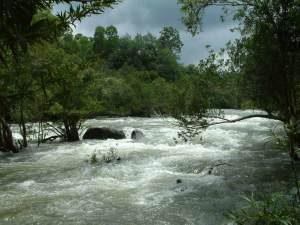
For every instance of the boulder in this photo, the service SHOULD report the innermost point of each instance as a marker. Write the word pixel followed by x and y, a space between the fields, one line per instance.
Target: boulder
pixel 103 133
pixel 178 181
pixel 137 134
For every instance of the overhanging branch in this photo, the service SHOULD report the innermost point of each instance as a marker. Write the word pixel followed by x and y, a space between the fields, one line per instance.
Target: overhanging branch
pixel 266 116
pixel 192 126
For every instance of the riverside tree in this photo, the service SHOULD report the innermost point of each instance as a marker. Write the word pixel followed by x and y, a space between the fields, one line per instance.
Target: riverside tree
pixel 68 96
pixel 21 26
pixel 73 77
pixel 267 55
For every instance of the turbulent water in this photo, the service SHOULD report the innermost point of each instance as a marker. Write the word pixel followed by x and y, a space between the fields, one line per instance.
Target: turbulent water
pixel 54 184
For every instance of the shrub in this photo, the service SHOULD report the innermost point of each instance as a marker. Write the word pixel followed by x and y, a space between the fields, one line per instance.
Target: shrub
pixel 276 210
pixel 111 156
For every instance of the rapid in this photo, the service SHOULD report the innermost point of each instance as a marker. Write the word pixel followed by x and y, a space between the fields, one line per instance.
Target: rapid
pixel 54 183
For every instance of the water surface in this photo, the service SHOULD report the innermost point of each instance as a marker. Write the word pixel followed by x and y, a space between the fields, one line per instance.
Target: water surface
pixel 53 184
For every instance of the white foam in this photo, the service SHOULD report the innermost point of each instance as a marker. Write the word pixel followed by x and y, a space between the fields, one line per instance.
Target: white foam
pixel 27 183
pixel 144 178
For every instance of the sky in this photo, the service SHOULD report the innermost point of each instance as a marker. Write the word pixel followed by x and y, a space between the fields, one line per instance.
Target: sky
pixel 143 16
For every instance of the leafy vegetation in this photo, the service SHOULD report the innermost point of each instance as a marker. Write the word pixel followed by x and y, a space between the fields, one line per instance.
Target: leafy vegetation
pixel 109 157
pixel 266 58
pixel 48 75
pixel 276 210
pixel 76 77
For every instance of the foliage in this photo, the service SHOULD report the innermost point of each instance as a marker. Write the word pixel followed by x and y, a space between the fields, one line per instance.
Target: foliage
pixel 170 39
pixel 266 55
pixel 109 157
pixel 24 24
pixel 74 77
pixel 194 125
pixel 144 52
pixel 21 23
pixel 105 40
pixel 276 210
pixel 68 79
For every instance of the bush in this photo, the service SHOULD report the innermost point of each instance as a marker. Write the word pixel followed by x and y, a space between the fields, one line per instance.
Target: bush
pixel 276 210
pixel 111 156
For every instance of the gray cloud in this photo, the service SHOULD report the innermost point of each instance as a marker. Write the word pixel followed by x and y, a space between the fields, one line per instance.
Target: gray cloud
pixel 143 16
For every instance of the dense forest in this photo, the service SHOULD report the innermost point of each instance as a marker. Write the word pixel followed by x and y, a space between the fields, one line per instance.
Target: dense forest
pixel 75 77
pixel 51 76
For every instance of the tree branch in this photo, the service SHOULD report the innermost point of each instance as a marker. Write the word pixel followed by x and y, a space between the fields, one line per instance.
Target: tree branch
pixel 52 138
pixel 268 116
pixel 55 129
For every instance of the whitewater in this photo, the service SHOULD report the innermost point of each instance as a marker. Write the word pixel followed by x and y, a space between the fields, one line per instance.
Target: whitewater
pixel 155 182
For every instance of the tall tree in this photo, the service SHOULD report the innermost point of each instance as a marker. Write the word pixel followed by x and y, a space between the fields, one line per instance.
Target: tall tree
pixel 112 38
pixel 19 26
pixel 22 23
pixel 99 40
pixel 170 38
pixel 267 54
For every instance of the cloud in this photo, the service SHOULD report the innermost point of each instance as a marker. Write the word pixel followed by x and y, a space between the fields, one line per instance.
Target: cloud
pixel 143 16
pixel 195 47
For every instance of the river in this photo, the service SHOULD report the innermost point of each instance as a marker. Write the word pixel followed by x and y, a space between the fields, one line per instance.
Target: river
pixel 54 184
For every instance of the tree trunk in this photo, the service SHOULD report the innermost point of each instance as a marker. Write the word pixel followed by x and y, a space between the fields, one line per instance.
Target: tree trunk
pixel 23 127
pixel 6 138
pixel 71 131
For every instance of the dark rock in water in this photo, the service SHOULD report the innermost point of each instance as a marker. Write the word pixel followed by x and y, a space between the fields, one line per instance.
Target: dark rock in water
pixel 103 133
pixel 182 189
pixel 178 181
pixel 137 134
pixel 210 170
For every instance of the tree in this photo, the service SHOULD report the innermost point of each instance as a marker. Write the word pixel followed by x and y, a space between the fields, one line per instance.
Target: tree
pixel 99 40
pixel 267 55
pixel 123 54
pixel 170 38
pixel 105 41
pixel 71 96
pixel 24 23
pixel 270 46
pixel 20 26
pixel 112 38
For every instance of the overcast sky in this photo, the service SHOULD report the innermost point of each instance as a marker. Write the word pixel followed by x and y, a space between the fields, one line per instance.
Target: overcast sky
pixel 143 16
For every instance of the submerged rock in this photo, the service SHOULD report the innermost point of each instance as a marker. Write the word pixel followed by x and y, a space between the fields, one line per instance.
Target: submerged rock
pixel 182 189
pixel 178 181
pixel 137 134
pixel 103 133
